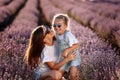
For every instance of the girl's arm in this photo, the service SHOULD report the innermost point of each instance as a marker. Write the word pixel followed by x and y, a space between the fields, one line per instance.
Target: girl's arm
pixel 66 51
pixel 56 66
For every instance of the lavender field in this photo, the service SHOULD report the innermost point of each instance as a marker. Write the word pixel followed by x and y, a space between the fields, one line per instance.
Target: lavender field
pixel 95 23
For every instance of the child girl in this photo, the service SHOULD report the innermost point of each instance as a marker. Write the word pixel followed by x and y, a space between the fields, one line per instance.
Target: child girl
pixel 67 43
pixel 41 55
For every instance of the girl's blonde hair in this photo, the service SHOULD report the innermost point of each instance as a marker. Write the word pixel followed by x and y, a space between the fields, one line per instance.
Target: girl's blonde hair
pixel 64 17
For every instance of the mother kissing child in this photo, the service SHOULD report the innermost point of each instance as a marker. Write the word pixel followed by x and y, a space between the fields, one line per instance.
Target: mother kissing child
pixel 41 55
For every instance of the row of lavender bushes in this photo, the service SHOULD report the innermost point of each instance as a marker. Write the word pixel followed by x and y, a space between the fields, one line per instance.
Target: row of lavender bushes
pixel 4 2
pixel 99 60
pixel 116 2
pixel 13 43
pixel 106 27
pixel 101 9
pixel 10 9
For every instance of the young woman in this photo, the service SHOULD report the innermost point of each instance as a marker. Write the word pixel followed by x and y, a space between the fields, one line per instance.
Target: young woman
pixel 41 55
pixel 67 43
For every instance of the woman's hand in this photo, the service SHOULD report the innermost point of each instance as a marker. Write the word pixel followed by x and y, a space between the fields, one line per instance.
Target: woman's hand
pixel 71 56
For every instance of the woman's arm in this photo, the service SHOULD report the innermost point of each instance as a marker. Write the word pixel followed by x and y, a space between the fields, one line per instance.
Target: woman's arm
pixel 56 66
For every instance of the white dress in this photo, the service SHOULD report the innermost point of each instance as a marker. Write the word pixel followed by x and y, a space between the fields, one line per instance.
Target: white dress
pixel 48 55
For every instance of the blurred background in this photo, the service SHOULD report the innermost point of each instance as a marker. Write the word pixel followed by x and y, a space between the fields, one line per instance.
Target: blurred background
pixel 95 23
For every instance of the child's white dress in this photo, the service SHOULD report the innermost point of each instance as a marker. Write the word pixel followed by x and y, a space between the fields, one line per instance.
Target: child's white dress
pixel 65 41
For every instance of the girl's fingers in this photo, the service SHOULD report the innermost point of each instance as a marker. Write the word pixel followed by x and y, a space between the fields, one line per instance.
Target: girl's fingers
pixel 73 55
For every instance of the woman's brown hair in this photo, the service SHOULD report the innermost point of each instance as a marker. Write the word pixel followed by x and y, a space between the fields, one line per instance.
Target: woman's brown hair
pixel 35 46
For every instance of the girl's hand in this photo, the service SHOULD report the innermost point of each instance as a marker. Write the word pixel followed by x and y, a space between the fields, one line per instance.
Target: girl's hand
pixel 65 53
pixel 71 56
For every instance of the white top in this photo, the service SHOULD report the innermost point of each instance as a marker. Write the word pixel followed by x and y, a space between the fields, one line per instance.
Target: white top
pixel 71 38
pixel 47 55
